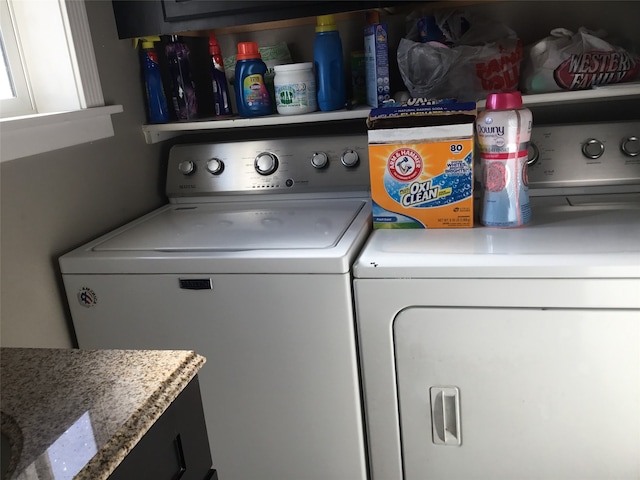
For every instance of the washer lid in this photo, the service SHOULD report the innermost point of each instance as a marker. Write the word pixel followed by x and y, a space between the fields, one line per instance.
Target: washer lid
pixel 573 238
pixel 239 226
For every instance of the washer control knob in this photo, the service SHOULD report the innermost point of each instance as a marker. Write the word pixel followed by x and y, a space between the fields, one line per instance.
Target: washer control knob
pixel 215 166
pixel 630 146
pixel 593 148
pixel 187 167
pixel 266 163
pixel 350 158
pixel 319 160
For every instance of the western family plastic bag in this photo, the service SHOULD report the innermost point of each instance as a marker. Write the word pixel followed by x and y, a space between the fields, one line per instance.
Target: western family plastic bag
pixel 480 56
pixel 568 61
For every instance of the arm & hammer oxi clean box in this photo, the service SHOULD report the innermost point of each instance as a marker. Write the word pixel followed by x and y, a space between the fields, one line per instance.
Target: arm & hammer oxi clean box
pixel 421 164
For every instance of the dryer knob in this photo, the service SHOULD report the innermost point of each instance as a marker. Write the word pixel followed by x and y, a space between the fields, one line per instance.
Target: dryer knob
pixel 350 158
pixel 593 149
pixel 266 163
pixel 533 154
pixel 630 146
pixel 187 167
pixel 215 166
pixel 319 160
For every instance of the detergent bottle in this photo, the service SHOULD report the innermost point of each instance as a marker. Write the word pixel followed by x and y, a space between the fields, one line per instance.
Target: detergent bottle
pixel 329 65
pixel 252 95
pixel 218 78
pixel 183 91
pixel 157 110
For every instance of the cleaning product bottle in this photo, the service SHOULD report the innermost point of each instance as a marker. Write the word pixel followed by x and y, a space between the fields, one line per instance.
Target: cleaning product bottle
pixel 157 109
pixel 329 65
pixel 218 78
pixel 503 131
pixel 183 91
pixel 252 96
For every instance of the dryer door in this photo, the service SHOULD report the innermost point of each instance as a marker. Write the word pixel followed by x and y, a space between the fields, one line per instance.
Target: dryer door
pixel 506 393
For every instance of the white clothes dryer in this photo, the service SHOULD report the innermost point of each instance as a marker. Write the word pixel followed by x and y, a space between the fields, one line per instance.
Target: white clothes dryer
pixel 494 353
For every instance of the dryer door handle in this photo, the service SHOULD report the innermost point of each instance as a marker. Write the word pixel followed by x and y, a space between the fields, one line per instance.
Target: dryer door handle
pixel 445 415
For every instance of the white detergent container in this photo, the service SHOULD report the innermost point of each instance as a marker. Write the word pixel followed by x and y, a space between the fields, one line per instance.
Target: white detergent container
pixel 503 131
pixel 295 87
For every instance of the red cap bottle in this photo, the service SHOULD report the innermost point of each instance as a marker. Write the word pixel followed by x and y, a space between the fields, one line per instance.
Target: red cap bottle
pixel 248 51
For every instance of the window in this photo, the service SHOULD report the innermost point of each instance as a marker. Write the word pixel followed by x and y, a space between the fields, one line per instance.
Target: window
pixel 51 86
pixel 14 92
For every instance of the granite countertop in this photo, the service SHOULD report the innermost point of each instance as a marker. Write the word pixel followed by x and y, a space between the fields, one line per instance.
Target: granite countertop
pixel 76 414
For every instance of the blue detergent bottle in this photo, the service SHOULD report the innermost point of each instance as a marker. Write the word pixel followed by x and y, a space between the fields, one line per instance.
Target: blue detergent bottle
pixel 329 65
pixel 157 110
pixel 252 95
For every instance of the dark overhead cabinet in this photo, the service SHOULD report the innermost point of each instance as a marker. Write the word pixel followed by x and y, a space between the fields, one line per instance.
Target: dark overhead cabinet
pixel 138 18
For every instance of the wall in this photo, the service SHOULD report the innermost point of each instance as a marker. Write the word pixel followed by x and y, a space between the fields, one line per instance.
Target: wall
pixel 51 203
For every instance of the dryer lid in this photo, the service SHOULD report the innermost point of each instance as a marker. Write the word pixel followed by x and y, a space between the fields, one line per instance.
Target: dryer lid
pixel 239 226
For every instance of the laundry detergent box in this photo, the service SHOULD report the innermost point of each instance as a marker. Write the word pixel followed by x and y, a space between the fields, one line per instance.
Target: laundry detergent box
pixel 421 164
pixel 376 57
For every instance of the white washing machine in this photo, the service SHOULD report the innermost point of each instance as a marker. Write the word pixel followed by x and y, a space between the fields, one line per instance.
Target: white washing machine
pixel 249 265
pixel 513 353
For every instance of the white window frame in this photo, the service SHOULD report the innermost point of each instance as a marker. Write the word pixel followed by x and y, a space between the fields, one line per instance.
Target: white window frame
pixel 21 103
pixel 75 117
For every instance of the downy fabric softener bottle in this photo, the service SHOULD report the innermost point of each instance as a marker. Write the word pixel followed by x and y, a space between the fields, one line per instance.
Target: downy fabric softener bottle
pixel 503 132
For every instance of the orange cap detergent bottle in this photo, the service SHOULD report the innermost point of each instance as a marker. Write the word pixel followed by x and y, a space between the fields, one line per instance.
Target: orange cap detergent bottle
pixel 252 95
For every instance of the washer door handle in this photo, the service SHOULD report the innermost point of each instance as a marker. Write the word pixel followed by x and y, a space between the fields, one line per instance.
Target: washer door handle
pixel 196 283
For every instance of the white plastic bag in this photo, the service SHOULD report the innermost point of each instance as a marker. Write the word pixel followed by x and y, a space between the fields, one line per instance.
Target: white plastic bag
pixel 483 59
pixel 568 61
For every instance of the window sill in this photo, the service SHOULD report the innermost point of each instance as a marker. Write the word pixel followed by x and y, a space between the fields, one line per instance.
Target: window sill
pixel 33 134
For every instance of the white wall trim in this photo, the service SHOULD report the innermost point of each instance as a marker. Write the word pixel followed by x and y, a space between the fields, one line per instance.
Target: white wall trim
pixel 75 16
pixel 34 134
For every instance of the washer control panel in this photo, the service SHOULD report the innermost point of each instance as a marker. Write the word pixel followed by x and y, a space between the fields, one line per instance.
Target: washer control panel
pixel 583 155
pixel 290 165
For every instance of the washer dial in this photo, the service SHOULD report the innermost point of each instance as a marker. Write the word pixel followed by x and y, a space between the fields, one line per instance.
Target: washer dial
pixel 187 167
pixel 319 160
pixel 350 158
pixel 215 166
pixel 266 163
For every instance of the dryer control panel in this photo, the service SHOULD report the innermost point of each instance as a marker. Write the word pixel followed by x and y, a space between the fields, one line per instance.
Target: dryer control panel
pixel 278 166
pixel 603 155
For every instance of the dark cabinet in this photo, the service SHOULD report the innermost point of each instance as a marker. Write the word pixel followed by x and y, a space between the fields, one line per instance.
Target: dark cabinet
pixel 175 447
pixel 177 10
pixel 138 18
